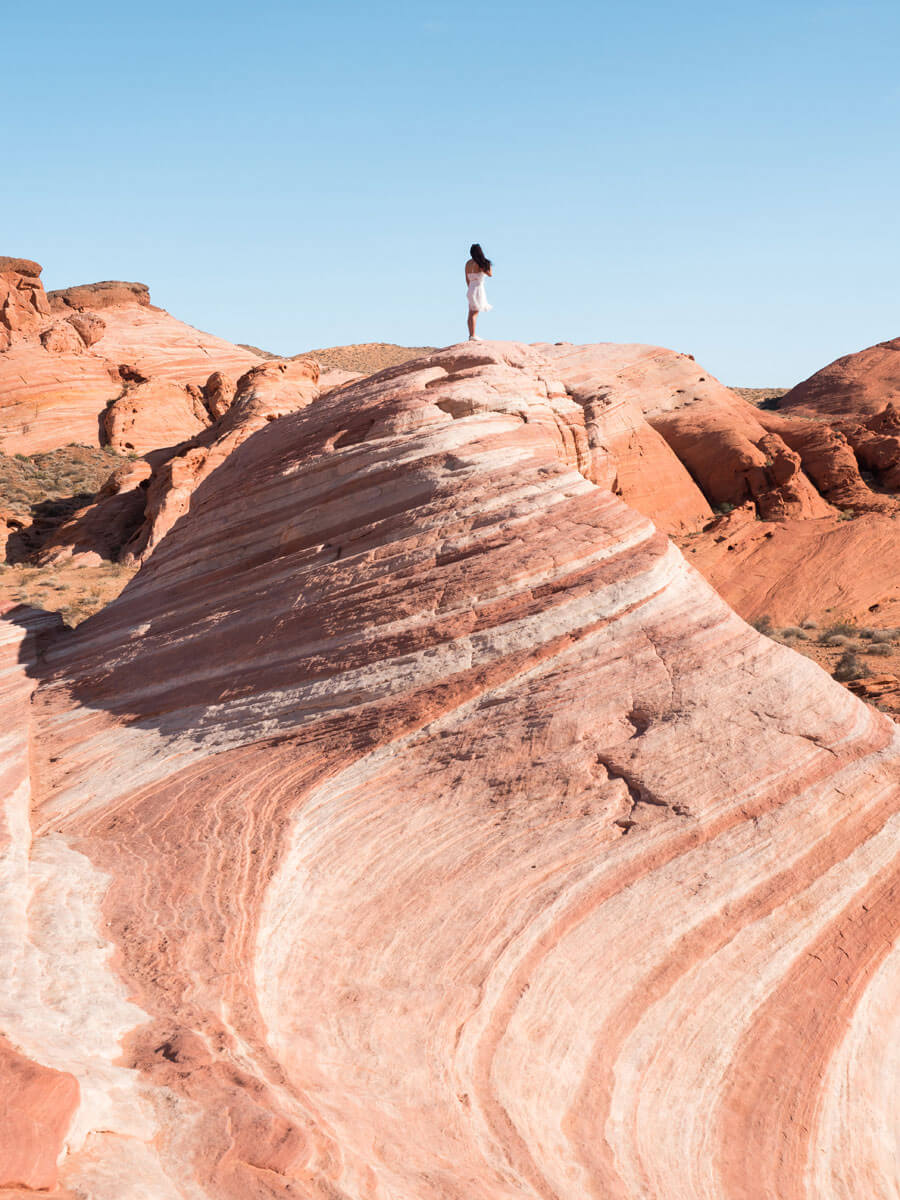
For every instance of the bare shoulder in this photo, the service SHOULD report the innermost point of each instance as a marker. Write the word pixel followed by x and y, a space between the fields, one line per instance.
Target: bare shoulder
pixel 472 266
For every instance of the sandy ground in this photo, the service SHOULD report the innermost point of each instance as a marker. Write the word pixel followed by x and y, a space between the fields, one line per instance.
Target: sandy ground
pixel 877 660
pixel 364 357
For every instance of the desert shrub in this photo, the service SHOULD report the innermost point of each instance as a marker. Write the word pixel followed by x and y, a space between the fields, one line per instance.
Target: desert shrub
pixel 845 628
pixel 835 639
pixel 884 635
pixel 763 624
pixel 880 648
pixel 723 509
pixel 794 631
pixel 850 667
pixel 847 515
pixel 810 624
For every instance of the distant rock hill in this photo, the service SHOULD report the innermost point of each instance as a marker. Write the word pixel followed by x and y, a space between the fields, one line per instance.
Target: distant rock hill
pixel 856 386
pixel 365 358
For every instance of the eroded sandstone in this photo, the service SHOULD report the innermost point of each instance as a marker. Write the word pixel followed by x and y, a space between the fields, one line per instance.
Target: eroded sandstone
pixel 61 364
pixel 444 834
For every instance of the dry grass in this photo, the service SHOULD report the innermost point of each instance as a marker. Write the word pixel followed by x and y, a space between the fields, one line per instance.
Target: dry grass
pixel 55 477
pixel 43 490
pixel 879 650
pixel 75 592
pixel 365 357
pixel 762 397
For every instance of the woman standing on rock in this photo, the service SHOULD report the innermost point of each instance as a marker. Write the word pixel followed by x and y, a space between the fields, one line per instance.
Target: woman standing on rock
pixel 477 268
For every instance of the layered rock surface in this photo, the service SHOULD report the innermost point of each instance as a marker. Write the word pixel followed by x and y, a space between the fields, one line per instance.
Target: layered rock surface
pixel 419 824
pixel 65 357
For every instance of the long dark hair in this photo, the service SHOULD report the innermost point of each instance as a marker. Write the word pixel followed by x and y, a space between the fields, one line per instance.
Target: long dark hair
pixel 479 256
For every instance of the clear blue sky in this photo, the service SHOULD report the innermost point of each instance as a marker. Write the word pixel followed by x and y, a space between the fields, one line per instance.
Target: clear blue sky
pixel 718 177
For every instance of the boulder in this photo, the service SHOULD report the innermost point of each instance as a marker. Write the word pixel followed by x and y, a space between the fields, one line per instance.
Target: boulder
pixel 62 338
pixel 88 326
pixel 218 393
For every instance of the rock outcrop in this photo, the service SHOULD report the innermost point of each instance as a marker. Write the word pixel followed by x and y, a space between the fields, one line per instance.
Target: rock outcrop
pixel 859 394
pixel 23 303
pixel 140 502
pixel 418 823
pixel 794 570
pixel 62 363
pixel 267 392
pixel 854 386
pixel 150 413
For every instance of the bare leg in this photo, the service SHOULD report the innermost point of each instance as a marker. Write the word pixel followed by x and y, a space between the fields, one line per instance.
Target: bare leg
pixel 472 318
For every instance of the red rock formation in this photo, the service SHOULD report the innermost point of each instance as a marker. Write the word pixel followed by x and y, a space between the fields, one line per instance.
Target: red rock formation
pixel 60 362
pixel 99 530
pixel 717 437
pixel 854 386
pixel 140 502
pixel 88 325
pixel 876 443
pixel 792 570
pixel 23 304
pixel 111 293
pixel 441 834
pixel 151 414
pixel 268 391
pixel 830 460
pixel 218 392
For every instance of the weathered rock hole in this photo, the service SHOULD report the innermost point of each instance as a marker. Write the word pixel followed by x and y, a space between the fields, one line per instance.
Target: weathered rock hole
pixel 640 720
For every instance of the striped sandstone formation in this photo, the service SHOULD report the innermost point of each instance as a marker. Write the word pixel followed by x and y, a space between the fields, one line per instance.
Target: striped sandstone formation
pixel 419 825
pixel 100 364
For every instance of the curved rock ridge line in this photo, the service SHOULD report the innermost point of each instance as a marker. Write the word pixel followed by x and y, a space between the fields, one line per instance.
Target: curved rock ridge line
pixel 444 835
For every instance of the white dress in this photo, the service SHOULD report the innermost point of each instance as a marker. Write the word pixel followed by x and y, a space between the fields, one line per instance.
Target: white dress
pixel 476 294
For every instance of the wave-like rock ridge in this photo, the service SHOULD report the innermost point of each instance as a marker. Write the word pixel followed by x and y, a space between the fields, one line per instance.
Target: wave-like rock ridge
pixel 445 835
